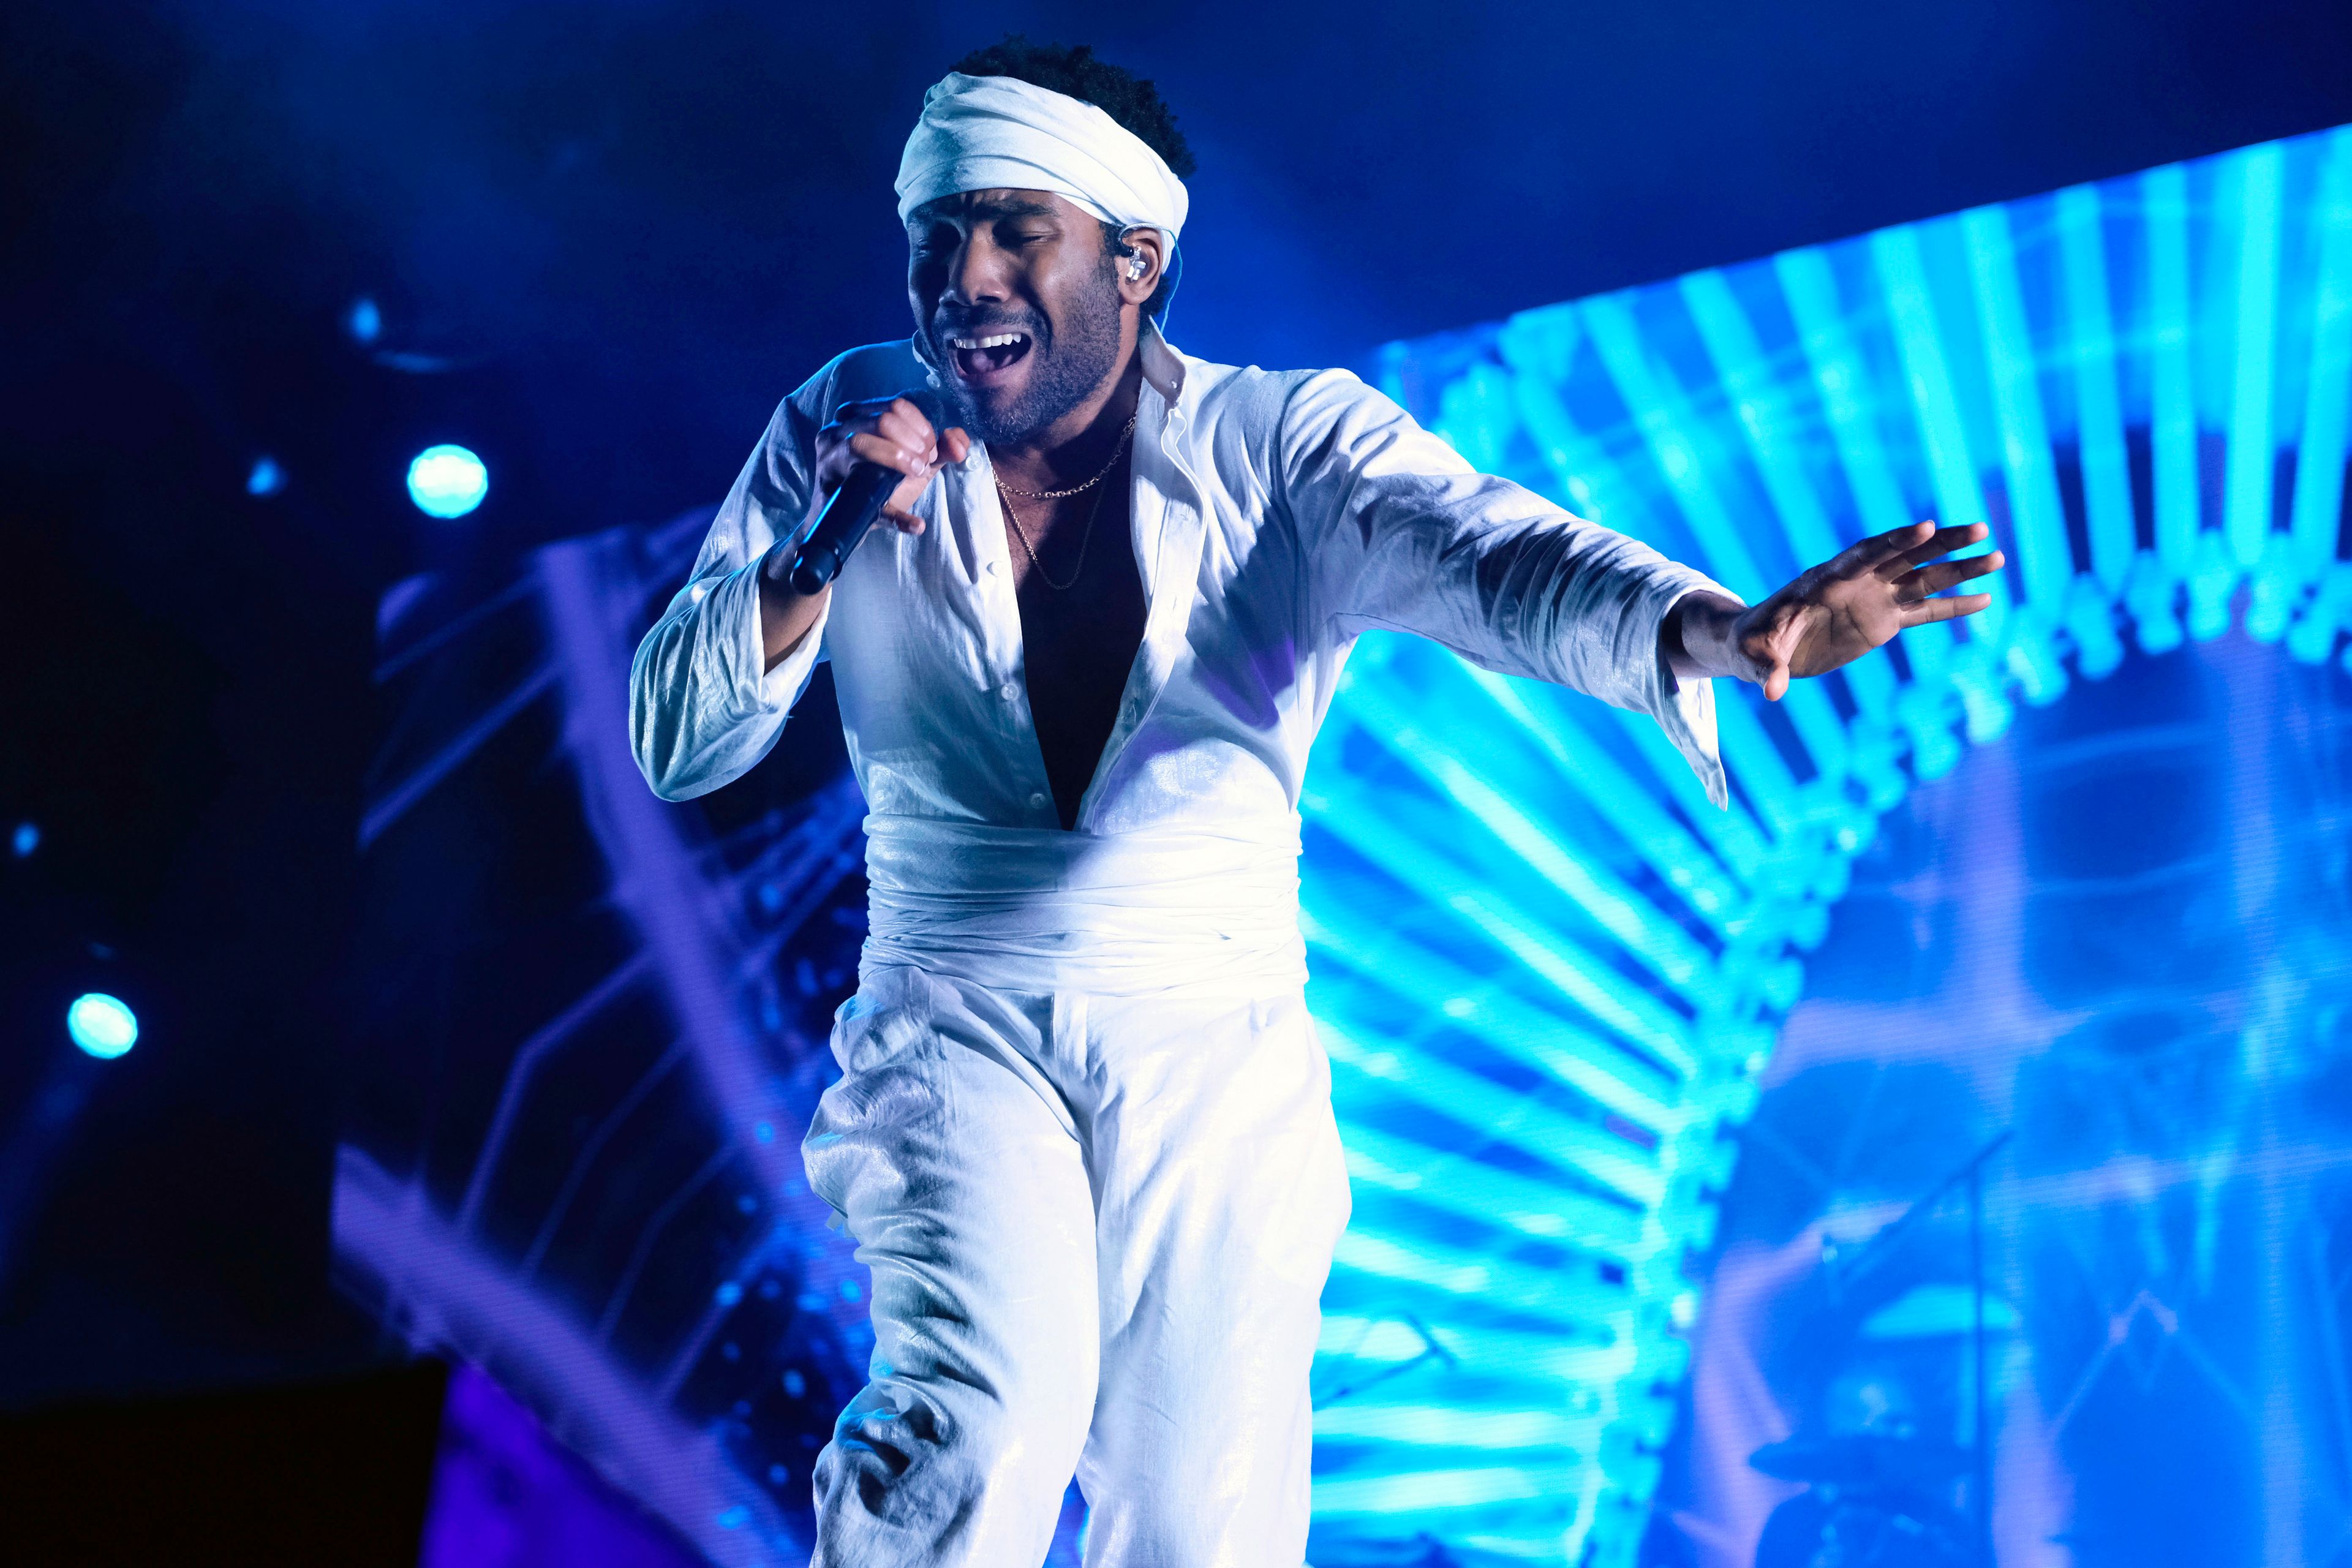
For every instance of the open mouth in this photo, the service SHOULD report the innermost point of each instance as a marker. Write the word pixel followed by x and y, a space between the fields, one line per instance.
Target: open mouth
pixel 983 358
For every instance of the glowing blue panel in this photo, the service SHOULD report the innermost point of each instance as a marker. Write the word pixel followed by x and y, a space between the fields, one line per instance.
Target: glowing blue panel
pixel 1964 368
pixel 102 1025
pixel 25 839
pixel 448 481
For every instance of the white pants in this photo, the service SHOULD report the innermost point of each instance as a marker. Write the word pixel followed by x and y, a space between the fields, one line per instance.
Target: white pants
pixel 1099 1227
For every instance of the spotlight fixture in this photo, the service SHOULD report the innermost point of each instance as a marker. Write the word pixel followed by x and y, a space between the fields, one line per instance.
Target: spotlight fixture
pixel 448 481
pixel 102 1025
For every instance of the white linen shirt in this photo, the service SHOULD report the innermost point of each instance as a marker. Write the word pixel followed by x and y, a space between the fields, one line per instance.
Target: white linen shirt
pixel 1275 516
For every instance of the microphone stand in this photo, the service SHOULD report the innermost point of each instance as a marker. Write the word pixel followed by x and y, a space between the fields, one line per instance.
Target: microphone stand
pixel 1842 1276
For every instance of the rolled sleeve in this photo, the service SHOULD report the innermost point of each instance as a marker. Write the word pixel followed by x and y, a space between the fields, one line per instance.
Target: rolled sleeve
pixel 703 706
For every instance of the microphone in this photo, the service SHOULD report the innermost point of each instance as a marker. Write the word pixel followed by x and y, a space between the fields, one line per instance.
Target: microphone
pixel 850 513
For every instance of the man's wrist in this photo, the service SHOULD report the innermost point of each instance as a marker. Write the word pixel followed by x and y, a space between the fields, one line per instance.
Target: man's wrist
pixel 776 565
pixel 1701 637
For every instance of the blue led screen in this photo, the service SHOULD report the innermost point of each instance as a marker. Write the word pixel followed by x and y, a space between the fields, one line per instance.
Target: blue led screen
pixel 1629 1085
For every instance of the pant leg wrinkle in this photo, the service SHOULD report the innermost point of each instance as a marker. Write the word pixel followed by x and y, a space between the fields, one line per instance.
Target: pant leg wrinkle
pixel 1222 1192
pixel 972 1209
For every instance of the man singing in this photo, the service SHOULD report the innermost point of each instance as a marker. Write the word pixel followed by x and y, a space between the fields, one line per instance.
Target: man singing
pixel 1082 1134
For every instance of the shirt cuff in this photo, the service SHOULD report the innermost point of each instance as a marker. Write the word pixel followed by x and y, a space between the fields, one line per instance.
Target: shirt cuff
pixel 1685 708
pixel 758 692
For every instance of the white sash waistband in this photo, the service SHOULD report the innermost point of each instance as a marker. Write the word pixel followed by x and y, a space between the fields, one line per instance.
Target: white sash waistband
pixel 1189 912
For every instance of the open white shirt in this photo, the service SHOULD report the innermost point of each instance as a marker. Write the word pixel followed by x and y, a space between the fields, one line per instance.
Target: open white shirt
pixel 1275 516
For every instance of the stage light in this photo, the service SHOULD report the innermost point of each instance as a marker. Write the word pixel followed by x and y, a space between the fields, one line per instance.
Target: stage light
pixel 448 481
pixel 101 1025
pixel 267 477
pixel 25 840
pixel 363 322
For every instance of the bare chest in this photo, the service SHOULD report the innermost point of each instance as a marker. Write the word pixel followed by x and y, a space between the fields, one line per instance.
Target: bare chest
pixel 1082 616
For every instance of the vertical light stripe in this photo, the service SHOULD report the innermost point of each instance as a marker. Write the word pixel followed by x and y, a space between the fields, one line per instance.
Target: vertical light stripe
pixel 2260 173
pixel 1751 388
pixel 2098 410
pixel 2328 393
pixel 1681 457
pixel 1919 340
pixel 1609 324
pixel 1761 403
pixel 2172 412
pixel 2037 519
pixel 1811 292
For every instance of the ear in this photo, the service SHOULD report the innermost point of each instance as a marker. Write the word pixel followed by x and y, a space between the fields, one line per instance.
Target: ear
pixel 1149 247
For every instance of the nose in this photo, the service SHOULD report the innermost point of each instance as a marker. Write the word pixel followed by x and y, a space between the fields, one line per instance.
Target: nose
pixel 975 273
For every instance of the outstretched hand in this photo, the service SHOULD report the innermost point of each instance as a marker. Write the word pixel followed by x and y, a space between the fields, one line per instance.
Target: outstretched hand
pixel 1834 613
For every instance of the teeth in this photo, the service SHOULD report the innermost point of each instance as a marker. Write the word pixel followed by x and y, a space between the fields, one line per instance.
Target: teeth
pixel 1001 340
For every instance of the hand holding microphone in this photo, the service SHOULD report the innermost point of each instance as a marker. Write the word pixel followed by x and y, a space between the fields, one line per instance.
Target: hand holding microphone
pixel 873 463
pixel 867 447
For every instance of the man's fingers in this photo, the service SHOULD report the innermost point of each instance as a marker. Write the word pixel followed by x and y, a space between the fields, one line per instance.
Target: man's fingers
pixel 873 448
pixel 1932 580
pixel 1940 542
pixel 903 423
pixel 1925 610
pixel 1873 553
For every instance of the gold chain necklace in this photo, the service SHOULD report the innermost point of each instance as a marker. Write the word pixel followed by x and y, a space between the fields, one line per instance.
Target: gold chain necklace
pixel 1078 489
pixel 1085 539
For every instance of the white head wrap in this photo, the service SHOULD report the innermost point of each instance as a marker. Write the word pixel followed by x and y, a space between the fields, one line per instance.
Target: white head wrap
pixel 996 132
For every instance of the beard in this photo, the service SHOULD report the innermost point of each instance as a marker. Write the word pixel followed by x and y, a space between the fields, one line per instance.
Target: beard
pixel 1069 360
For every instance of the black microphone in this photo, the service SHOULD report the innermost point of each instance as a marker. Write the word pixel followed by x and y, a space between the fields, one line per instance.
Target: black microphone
pixel 851 512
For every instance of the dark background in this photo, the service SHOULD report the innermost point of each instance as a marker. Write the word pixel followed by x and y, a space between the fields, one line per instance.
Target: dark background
pixel 605 238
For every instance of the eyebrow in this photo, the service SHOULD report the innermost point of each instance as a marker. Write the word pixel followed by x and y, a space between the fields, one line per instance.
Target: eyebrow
pixel 986 212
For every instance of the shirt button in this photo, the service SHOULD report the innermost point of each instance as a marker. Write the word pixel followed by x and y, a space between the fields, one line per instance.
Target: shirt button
pixel 1008 692
pixel 1037 799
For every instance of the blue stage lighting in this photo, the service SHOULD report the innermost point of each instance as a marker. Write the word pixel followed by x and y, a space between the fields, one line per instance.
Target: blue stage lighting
pixel 363 322
pixel 1579 917
pixel 448 481
pixel 101 1025
pixel 25 840
pixel 267 477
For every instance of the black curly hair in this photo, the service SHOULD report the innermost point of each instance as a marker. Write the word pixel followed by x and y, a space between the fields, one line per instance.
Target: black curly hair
pixel 1072 70
pixel 1132 101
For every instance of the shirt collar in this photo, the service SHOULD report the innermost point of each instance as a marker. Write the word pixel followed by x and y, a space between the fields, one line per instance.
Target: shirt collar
pixel 1163 368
